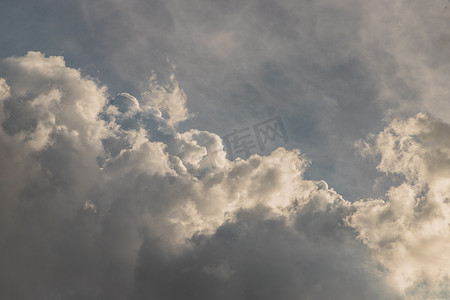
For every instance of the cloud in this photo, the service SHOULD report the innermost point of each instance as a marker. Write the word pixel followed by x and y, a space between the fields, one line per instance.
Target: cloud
pixel 331 70
pixel 261 256
pixel 172 103
pixel 103 198
pixel 92 178
pixel 408 233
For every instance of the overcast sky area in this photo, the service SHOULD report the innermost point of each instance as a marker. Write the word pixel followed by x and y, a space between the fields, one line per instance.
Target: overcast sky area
pixel 224 149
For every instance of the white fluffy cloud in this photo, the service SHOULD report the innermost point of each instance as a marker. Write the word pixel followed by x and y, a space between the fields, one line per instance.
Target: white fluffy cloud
pixel 102 198
pixel 408 232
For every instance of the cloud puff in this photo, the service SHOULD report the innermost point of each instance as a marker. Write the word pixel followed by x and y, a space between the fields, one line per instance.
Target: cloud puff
pixel 170 99
pixel 408 233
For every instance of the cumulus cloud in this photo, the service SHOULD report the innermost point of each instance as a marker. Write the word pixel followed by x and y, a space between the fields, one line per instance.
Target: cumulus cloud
pixel 114 187
pixel 408 232
pixel 173 103
pixel 102 198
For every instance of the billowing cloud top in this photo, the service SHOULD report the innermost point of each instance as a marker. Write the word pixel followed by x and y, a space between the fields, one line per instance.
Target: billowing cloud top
pixel 103 198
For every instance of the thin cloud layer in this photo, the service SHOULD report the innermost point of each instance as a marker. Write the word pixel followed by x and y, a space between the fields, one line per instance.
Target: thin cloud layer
pixel 103 198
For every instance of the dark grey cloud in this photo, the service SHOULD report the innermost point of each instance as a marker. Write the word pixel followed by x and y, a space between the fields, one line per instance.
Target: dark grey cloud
pixel 259 257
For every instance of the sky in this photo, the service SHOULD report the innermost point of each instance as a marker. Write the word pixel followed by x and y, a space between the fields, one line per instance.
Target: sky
pixel 206 149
